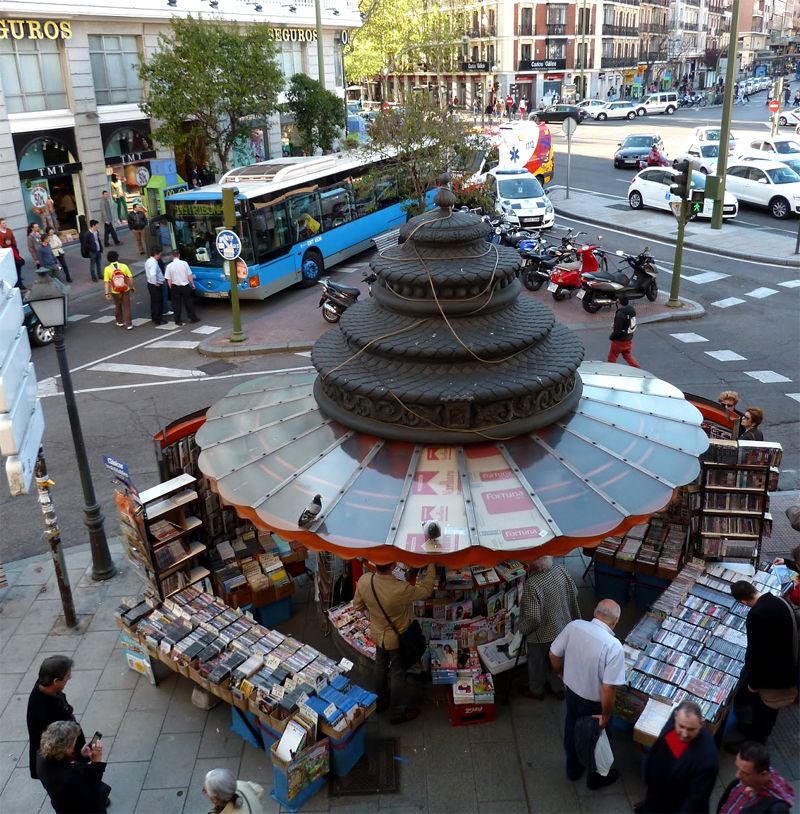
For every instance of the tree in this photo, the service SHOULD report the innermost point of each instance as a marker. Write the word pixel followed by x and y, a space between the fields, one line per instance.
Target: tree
pixel 319 115
pixel 416 146
pixel 208 82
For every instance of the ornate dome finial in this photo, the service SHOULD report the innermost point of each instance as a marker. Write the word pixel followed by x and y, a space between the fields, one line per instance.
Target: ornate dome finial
pixel 445 198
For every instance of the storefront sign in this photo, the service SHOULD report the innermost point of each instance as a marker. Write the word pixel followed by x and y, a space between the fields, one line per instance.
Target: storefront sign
pixel 197 208
pixel 130 158
pixel 52 171
pixel 35 30
pixel 542 65
pixel 39 197
pixel 480 67
pixel 293 34
pixel 142 176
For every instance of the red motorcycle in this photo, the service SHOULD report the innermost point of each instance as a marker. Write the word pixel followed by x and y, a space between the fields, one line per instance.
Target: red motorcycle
pixel 566 277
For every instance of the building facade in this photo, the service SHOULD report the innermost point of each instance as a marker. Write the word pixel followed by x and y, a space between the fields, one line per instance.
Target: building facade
pixel 70 121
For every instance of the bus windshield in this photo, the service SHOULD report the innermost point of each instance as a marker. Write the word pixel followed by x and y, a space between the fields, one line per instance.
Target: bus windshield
pixel 195 225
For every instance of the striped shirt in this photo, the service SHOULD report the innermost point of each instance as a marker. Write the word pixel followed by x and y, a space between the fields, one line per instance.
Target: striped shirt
pixel 549 604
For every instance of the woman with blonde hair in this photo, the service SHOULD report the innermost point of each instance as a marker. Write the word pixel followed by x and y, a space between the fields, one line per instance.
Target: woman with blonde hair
pixel 231 796
pixel 74 787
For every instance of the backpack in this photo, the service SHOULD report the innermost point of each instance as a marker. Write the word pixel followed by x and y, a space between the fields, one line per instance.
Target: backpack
pixel 119 282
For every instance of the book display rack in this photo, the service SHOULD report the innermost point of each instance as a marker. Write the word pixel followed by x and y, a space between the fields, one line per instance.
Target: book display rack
pixel 691 644
pixel 729 502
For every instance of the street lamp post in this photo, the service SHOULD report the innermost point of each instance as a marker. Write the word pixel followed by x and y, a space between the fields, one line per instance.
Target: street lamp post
pixel 49 300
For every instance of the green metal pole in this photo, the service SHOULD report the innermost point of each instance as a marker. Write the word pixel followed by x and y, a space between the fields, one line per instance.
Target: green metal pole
pixel 320 50
pixel 673 301
pixel 727 115
pixel 229 222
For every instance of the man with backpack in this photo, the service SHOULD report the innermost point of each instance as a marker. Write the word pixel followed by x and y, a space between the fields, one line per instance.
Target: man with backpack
pixel 92 248
pixel 119 285
pixel 622 333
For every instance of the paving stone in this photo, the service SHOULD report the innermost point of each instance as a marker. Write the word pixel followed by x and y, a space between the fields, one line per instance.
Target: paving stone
pixel 126 781
pixel 8 626
pixel 35 573
pixel 95 648
pixel 182 714
pixel 452 792
pixel 441 758
pixel 218 739
pixel 255 765
pixel 161 801
pixel 136 737
pixel 80 688
pixel 497 774
pixel 594 803
pixel 106 710
pixel 20 651
pixel 173 761
pixel 550 791
pixel 150 698
pixel 103 618
pixel 12 722
pixel 500 730
pixel 42 616
pixel 8 688
pixel 118 676
pixel 65 644
pixel 196 801
pixel 22 794
pixel 10 752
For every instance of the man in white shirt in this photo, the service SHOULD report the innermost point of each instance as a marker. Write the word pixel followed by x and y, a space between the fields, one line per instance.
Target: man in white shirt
pixel 180 280
pixel 155 284
pixel 591 661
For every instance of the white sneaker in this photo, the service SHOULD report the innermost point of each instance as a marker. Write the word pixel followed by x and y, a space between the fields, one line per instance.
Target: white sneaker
pixel 168 313
pixel 130 327
pixel 119 324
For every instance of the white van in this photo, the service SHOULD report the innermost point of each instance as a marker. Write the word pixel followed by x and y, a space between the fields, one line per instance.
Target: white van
pixel 520 197
pixel 662 102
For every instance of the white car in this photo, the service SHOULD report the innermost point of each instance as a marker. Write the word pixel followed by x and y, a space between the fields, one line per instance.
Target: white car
pixel 772 147
pixel 651 188
pixel 613 110
pixel 793 162
pixel 703 155
pixel 789 116
pixel 591 104
pixel 521 199
pixel 765 183
pixel 710 134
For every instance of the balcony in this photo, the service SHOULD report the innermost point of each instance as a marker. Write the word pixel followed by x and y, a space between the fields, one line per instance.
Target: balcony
pixel 526 30
pixel 556 29
pixel 654 28
pixel 688 27
pixel 617 62
pixel 695 3
pixel 610 30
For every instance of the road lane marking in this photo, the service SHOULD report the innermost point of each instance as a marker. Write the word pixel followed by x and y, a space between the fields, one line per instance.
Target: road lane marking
pixel 306 353
pixel 167 326
pixel 181 344
pixel 795 396
pixel 47 387
pixel 689 337
pixel 105 319
pixel 727 302
pixel 766 376
pixel 206 329
pixel 77 317
pixel 791 284
pixel 705 277
pixel 150 370
pixel 761 293
pixel 725 356
pixel 140 321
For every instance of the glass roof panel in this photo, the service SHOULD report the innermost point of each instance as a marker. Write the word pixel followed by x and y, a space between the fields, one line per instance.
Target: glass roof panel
pixel 669 407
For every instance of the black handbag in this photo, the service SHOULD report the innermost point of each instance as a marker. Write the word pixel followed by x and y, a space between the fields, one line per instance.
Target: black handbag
pixel 412 641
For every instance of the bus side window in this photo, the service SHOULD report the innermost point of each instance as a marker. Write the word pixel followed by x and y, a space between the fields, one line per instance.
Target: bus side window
pixel 305 216
pixel 364 196
pixel 386 192
pixel 271 228
pixel 337 206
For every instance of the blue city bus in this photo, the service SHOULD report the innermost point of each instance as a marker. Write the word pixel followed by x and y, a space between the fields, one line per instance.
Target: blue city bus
pixel 296 217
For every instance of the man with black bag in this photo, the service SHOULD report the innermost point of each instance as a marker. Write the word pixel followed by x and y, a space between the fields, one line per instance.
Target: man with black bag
pixel 397 635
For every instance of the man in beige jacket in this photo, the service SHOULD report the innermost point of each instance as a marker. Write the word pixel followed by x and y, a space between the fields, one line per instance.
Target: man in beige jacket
pixel 395 596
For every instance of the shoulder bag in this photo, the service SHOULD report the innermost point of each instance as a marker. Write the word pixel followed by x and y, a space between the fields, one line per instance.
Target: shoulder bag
pixel 412 641
pixel 784 697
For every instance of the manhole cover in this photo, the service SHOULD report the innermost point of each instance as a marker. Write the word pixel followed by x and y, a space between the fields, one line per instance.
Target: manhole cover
pixel 215 367
pixel 623 207
pixel 376 772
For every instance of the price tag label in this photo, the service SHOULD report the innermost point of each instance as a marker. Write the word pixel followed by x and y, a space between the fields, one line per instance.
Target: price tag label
pixel 309 713
pixel 290 685
pixel 302 699
pixel 277 693
pixel 346 665
pixel 330 710
pixel 321 682
pixel 273 662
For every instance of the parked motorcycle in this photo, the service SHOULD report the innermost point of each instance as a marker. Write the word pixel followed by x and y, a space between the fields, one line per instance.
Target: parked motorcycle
pixel 504 233
pixel 540 258
pixel 604 287
pixel 337 298
pixel 568 277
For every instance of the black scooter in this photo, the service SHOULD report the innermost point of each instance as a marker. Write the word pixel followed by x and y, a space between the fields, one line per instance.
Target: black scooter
pixel 604 287
pixel 337 298
pixel 539 260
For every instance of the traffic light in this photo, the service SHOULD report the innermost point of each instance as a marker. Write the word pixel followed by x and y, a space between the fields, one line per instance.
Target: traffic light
pixel 681 183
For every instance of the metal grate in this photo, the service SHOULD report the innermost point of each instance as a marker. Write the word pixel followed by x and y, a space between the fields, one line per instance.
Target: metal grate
pixel 216 367
pixel 376 772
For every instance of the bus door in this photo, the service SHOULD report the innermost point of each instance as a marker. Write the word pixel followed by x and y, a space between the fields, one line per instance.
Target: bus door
pixel 273 239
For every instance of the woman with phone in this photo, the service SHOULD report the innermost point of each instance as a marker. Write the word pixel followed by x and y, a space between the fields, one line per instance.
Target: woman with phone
pixel 74 786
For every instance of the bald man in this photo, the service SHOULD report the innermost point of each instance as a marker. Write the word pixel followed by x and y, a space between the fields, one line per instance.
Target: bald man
pixel 590 660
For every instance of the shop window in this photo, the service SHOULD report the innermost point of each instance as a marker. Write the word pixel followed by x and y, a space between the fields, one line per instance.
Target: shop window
pixel 556 50
pixel 30 72
pixel 292 58
pixel 115 62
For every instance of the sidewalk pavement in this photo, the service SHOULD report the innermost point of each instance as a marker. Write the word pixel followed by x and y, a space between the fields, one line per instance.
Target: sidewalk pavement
pixel 158 746
pixel 732 240
pixel 293 326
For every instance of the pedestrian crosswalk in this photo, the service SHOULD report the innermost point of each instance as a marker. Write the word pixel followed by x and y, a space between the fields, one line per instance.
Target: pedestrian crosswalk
pixel 149 370
pixel 77 317
pixel 178 344
pixel 728 302
pixel 206 329
pixel 725 356
pixel 104 319
pixel 689 337
pixel 761 293
pixel 766 376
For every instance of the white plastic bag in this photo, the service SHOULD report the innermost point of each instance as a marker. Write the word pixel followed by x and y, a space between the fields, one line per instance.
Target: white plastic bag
pixel 603 756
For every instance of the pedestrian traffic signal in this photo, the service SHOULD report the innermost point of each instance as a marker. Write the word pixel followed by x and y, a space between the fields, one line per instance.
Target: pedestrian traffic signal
pixel 681 183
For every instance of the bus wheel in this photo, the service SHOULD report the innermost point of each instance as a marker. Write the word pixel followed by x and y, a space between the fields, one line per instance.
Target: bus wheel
pixel 312 268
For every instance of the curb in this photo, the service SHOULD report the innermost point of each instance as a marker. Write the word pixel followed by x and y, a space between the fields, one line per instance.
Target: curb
pixel 205 348
pixel 688 244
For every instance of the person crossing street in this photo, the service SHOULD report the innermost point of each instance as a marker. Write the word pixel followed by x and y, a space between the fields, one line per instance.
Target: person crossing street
pixel 622 333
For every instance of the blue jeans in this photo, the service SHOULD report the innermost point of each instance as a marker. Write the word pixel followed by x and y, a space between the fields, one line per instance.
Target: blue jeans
pixel 577 707
pixel 387 662
pixel 96 261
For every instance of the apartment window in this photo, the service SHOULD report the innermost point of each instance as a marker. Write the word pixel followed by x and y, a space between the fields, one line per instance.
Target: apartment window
pixel 584 20
pixel 608 48
pixel 525 52
pixel 556 15
pixel 556 50
pixel 30 71
pixel 115 64
pixel 608 15
pixel 292 58
pixel 526 22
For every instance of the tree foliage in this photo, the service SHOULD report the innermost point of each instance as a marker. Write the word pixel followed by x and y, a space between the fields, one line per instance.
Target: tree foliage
pixel 417 144
pixel 319 115
pixel 392 31
pixel 208 82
